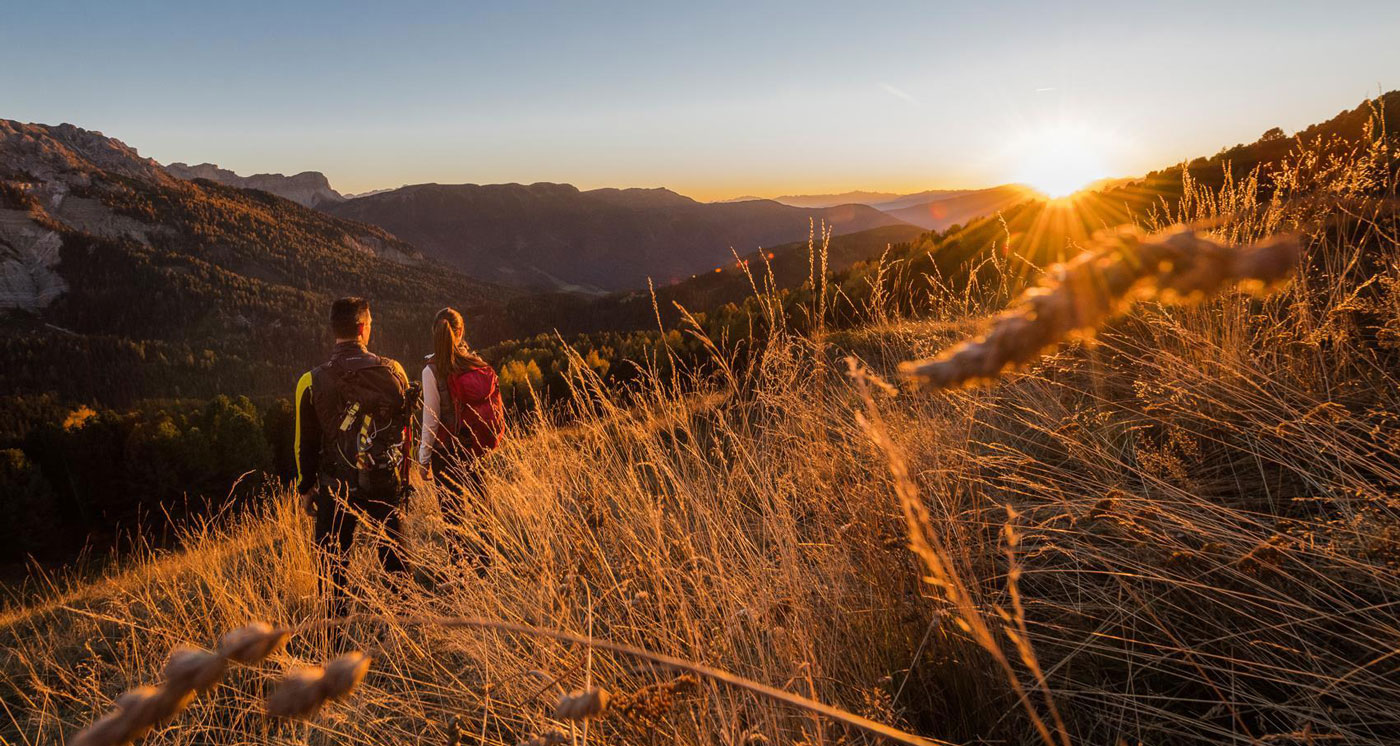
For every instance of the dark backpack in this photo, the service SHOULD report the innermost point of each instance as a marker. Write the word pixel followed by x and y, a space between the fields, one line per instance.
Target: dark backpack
pixel 370 432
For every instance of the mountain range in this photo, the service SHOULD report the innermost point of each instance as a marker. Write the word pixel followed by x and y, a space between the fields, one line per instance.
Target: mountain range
pixel 892 201
pixel 148 281
pixel 934 209
pixel 121 280
pixel 555 236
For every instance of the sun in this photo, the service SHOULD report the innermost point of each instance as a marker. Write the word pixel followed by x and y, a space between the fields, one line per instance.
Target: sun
pixel 1060 159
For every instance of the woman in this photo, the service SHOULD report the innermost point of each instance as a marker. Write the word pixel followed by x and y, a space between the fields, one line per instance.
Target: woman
pixel 462 411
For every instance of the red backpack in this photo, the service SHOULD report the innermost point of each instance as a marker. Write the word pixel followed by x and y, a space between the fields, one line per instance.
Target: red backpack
pixel 477 416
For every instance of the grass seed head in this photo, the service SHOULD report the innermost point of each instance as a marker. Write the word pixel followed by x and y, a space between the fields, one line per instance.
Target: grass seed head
pixel 192 669
pixel 344 673
pixel 299 695
pixel 169 702
pixel 113 729
pixel 548 738
pixel 139 710
pixel 1082 294
pixel 650 703
pixel 252 643
pixel 582 705
pixel 145 707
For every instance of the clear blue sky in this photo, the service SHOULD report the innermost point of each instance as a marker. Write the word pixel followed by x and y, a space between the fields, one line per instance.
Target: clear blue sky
pixel 711 99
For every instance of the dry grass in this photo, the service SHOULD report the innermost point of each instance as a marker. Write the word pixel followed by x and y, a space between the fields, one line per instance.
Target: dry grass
pixel 1081 295
pixel 1186 533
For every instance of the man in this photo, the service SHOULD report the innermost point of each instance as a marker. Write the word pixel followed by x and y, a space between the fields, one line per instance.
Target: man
pixel 352 443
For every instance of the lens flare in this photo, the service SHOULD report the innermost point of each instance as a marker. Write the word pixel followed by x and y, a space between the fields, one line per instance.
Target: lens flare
pixel 1060 159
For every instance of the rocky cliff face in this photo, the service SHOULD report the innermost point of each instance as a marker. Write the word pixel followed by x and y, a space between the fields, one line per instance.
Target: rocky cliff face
pixel 43 169
pixel 29 255
pixel 71 154
pixel 308 188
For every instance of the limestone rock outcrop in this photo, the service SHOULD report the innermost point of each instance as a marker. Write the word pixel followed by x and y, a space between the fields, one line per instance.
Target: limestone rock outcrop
pixel 308 188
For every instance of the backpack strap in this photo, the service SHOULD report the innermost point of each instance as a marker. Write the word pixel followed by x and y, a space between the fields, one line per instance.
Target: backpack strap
pixel 448 421
pixel 440 380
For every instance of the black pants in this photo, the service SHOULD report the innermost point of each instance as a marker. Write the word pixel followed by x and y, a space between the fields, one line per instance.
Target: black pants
pixel 335 530
pixel 459 480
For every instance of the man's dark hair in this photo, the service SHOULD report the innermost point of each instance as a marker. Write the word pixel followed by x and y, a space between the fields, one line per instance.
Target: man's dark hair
pixel 347 314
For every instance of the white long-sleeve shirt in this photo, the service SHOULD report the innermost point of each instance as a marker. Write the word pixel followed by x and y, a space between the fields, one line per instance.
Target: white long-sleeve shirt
pixel 431 415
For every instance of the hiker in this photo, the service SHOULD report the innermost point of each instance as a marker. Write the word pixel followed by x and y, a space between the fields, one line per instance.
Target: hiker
pixel 463 417
pixel 352 444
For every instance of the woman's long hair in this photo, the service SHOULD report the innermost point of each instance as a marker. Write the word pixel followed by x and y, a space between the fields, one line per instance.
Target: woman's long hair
pixel 450 352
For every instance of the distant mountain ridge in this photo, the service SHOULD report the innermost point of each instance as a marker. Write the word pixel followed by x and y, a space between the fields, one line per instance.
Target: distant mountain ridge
pixel 825 200
pixel 945 209
pixel 308 188
pixel 883 201
pixel 357 195
pixel 555 236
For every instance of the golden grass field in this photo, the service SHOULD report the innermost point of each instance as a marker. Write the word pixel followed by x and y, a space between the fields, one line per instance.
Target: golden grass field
pixel 1186 532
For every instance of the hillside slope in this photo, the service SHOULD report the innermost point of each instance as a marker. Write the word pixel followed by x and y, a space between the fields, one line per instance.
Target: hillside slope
pixel 786 267
pixel 121 282
pixel 1040 232
pixel 554 236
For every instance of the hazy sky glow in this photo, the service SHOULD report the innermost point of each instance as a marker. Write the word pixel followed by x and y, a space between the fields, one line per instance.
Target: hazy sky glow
pixel 711 99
